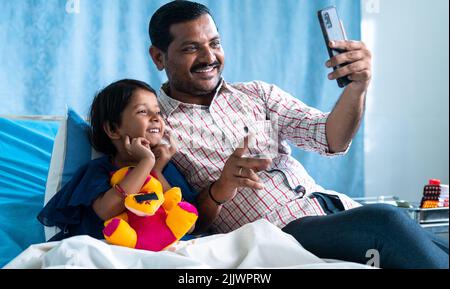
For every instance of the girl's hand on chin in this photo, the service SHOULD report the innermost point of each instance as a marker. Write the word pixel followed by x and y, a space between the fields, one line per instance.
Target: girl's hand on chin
pixel 164 152
pixel 138 148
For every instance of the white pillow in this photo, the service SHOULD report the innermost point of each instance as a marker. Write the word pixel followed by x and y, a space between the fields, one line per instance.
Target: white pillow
pixel 71 150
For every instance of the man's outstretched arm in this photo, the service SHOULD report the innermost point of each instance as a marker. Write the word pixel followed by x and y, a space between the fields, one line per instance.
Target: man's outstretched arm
pixel 345 119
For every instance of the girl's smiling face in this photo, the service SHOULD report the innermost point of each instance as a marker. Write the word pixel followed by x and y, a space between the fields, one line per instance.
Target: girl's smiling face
pixel 142 118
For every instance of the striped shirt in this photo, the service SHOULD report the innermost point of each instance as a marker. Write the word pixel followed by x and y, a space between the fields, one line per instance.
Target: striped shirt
pixel 208 135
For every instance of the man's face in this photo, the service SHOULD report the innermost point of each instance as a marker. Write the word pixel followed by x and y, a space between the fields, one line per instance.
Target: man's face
pixel 194 60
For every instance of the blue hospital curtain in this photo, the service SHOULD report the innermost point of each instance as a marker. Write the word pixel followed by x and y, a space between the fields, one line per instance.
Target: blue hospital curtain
pixel 55 53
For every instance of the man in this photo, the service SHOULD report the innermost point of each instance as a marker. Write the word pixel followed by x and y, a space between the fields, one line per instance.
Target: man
pixel 211 117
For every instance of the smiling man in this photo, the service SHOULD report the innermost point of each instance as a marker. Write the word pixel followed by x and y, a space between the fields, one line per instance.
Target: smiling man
pixel 193 71
pixel 211 117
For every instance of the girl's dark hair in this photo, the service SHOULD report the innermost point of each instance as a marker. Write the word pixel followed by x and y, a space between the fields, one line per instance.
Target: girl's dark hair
pixel 174 12
pixel 107 107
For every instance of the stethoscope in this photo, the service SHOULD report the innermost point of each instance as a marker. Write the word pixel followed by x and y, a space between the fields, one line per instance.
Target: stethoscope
pixel 299 190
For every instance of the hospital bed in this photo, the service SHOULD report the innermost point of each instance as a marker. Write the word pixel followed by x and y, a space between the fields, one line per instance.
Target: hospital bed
pixel 39 153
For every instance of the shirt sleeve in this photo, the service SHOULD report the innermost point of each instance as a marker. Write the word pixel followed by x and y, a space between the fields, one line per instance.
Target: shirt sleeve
pixel 302 125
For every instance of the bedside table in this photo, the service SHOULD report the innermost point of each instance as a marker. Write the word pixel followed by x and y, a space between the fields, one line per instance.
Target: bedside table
pixel 433 220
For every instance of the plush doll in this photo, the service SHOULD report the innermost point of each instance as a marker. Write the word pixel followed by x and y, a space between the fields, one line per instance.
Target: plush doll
pixel 153 220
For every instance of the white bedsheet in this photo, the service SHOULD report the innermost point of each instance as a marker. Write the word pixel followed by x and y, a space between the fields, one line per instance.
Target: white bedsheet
pixel 256 245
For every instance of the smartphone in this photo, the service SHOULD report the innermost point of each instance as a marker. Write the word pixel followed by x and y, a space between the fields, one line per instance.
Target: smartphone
pixel 333 29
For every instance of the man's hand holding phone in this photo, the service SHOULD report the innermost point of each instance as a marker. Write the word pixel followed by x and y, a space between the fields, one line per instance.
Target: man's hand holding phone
pixel 358 63
pixel 350 60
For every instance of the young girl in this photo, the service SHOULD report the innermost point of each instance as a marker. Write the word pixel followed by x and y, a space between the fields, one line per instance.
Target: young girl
pixel 127 127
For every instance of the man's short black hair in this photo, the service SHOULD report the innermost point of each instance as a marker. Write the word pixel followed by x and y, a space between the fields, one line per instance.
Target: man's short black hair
pixel 107 107
pixel 174 12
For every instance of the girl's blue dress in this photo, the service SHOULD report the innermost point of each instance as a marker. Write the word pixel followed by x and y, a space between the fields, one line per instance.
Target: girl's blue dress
pixel 71 207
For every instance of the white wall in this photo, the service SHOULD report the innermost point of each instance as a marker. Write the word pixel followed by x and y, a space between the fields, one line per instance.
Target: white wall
pixel 407 117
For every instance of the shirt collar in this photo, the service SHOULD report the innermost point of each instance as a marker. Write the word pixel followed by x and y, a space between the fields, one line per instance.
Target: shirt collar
pixel 169 104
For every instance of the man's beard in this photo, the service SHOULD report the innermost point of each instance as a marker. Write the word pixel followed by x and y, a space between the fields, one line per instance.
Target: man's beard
pixel 194 89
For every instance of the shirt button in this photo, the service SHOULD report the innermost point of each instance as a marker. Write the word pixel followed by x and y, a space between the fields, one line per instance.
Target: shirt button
pixel 300 190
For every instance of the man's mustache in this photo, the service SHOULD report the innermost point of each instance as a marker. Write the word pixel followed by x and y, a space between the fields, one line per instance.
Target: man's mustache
pixel 205 65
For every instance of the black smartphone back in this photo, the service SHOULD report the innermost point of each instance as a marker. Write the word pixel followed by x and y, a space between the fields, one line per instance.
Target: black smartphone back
pixel 332 29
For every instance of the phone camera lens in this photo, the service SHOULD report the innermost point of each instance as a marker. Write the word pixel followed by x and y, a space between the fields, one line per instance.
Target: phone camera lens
pixel 327 20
